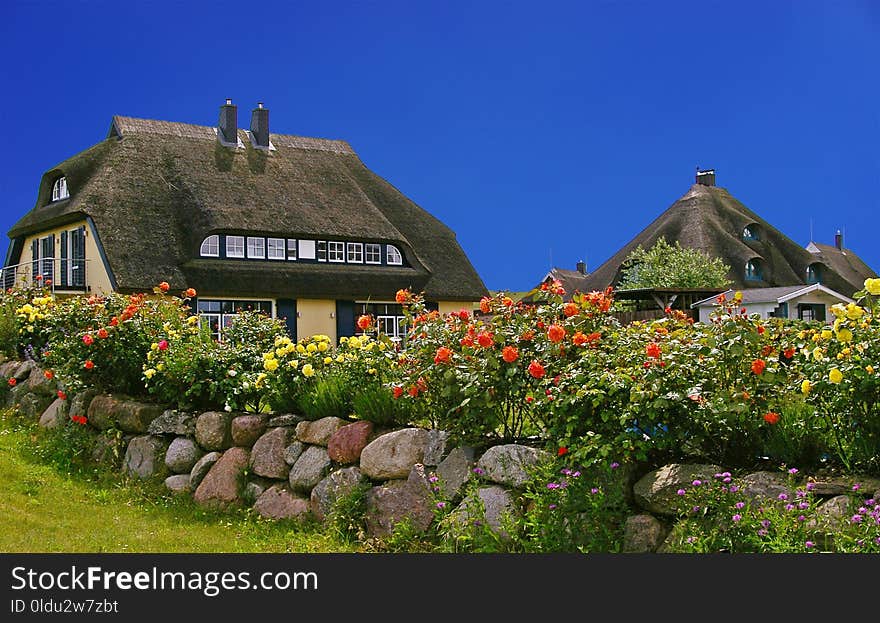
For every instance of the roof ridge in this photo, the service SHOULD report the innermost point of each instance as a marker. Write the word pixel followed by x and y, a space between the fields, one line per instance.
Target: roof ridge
pixel 140 125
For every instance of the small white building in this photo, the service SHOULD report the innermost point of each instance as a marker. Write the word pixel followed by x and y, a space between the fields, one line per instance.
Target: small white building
pixel 810 302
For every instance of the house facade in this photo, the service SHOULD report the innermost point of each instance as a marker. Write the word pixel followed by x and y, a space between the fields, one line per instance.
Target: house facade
pixel 811 303
pixel 293 226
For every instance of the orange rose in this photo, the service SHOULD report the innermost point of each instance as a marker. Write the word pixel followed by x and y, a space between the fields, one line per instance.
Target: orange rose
pixel 509 354
pixel 555 333
pixel 190 292
pixel 164 286
pixel 364 322
pixel 536 370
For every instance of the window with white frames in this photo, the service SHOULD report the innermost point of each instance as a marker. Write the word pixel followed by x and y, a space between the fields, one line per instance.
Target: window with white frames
pixel 355 252
pixel 373 253
pixel 276 248
pixel 210 246
pixel 393 255
pixel 256 248
pixel 59 189
pixel 234 246
pixel 322 251
pixel 291 249
pixel 306 249
pixel 336 251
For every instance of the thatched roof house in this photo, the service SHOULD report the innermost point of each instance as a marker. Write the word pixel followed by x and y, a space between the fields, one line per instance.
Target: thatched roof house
pixel 296 224
pixel 710 219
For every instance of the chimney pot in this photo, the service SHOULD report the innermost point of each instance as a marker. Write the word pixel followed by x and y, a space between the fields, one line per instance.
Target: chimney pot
pixel 229 101
pixel 706 178
pixel 260 125
pixel 838 240
pixel 228 124
pixel 582 267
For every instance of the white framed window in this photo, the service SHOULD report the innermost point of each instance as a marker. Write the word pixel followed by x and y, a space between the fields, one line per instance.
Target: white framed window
pixel 276 248
pixel 210 246
pixel 355 252
pixel 393 256
pixel 234 246
pixel 373 253
pixel 291 249
pixel 59 189
pixel 336 251
pixel 256 248
pixel 306 249
pixel 322 251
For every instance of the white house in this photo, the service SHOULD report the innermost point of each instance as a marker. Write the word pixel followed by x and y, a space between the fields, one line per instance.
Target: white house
pixel 810 302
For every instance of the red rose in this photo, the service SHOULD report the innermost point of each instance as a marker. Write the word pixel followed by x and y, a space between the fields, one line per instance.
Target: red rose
pixel 570 310
pixel 652 350
pixel 466 341
pixel 164 286
pixel 62 395
pixel 397 391
pixel 443 355
pixel 190 292
pixel 12 382
pixel 758 366
pixel 562 451
pixel 102 333
pixel 509 354
pixel 89 364
pixel 162 345
pixel 413 391
pixel 485 340
pixel 49 374
pixel 402 296
pixel 789 353
pixel 114 321
pixel 536 370
pixel 364 322
pixel 771 417
pixel 463 314
pixel 484 305
pixel 88 339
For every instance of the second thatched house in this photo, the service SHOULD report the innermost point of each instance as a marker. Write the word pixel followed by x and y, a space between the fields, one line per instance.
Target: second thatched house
pixel 296 227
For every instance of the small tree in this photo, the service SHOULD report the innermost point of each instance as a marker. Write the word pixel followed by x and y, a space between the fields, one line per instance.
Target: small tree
pixel 671 266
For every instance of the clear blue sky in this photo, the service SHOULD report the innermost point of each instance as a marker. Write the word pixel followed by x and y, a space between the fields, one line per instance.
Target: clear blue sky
pixel 538 131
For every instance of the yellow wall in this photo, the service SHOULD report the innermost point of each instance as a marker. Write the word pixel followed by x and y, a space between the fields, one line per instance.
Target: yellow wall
pixel 446 307
pixel 314 318
pixel 97 280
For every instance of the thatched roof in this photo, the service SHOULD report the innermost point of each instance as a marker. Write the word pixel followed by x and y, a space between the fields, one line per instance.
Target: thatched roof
pixel 710 219
pixel 156 189
pixel 842 261
pixel 779 294
pixel 572 281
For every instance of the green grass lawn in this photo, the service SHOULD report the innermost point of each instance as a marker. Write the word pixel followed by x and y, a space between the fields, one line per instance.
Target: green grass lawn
pixel 49 509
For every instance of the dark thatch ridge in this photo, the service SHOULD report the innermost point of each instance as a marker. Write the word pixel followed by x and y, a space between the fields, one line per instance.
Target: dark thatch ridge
pixel 156 189
pixel 572 281
pixel 710 219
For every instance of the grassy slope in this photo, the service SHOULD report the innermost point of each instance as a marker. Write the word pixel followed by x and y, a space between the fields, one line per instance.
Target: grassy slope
pixel 45 510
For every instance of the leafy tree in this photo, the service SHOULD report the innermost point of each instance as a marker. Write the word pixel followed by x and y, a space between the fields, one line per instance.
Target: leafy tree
pixel 671 266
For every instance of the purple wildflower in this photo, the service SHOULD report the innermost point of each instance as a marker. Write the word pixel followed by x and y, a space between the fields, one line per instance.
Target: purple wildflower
pixel 736 517
pixel 552 485
pixel 811 486
pixel 801 518
pixel 801 493
pixel 681 492
pixel 594 491
pixel 696 483
pixel 691 539
pixel 762 532
pixel 478 471
pixel 783 496
pixel 615 465
pixel 793 471
pixel 809 544
pixel 856 519
pixel 726 479
pixel 433 479
pixel 575 474
pixel 739 505
pixel 803 505
pixel 862 510
pixel 856 487
pixel 734 488
pixel 552 506
pixel 789 507
pixel 565 471
pixel 870 502
pixel 765 523
pixel 441 505
pixel 695 509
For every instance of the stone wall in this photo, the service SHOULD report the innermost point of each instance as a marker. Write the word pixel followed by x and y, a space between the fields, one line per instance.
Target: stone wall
pixel 288 468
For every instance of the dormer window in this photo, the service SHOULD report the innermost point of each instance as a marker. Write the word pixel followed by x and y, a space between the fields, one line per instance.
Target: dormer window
pixel 754 270
pixel 751 232
pixel 59 189
pixel 393 256
pixel 814 273
pixel 210 246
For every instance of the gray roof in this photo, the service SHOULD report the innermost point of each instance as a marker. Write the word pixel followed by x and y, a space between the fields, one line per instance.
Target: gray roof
pixel 770 295
pixel 156 189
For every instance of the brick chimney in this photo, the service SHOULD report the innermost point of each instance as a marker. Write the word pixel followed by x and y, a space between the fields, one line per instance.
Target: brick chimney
pixel 838 240
pixel 260 126
pixel 582 267
pixel 228 124
pixel 706 178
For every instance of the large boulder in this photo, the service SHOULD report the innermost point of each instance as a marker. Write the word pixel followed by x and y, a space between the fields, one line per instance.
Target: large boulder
pixel 319 432
pixel 31 405
pixel 202 467
pixel 643 534
pixel 436 447
pixel 223 486
pixel 182 455
pixel 392 455
pixel 108 448
pixel 79 404
pixel 173 422
pixel 510 464
pixel 38 383
pixel 178 484
pixel 285 419
pixel 214 430
pixel 130 416
pixel 55 414
pixel 766 486
pixel 334 486
pixel 278 502
pixel 309 469
pixel 492 504
pixel 346 444
pixel 400 500
pixel 657 491
pixel 843 485
pixel 455 471
pixel 246 429
pixel 267 456
pixel 145 457
pixel 293 452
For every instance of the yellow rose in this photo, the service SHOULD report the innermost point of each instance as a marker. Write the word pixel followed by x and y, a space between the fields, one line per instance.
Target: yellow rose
pixel 149 373
pixel 328 360
pixel 805 387
pixel 872 286
pixel 869 369
pixel 845 335
pixel 270 364
pixel 738 296
pixel 269 355
pixel 308 370
pixel 301 349
pixel 312 348
pixel 323 346
pixel 818 353
pixel 854 312
pixel 838 309
pixel 826 334
pixel 293 363
pixel 339 358
pixel 835 376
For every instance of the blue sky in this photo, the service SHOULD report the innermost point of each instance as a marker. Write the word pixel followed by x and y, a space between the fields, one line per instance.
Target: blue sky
pixel 542 133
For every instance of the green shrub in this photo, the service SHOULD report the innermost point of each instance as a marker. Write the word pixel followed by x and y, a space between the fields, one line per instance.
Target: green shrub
pixel 377 404
pixel 329 396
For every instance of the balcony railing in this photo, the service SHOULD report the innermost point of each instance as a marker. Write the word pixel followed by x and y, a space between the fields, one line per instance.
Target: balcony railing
pixel 54 273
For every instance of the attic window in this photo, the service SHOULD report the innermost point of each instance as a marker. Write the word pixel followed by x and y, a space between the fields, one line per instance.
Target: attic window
pixel 751 232
pixel 210 246
pixel 234 246
pixel 59 189
pixel 754 270
pixel 373 253
pixel 814 273
pixel 393 256
pixel 256 248
pixel 276 248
